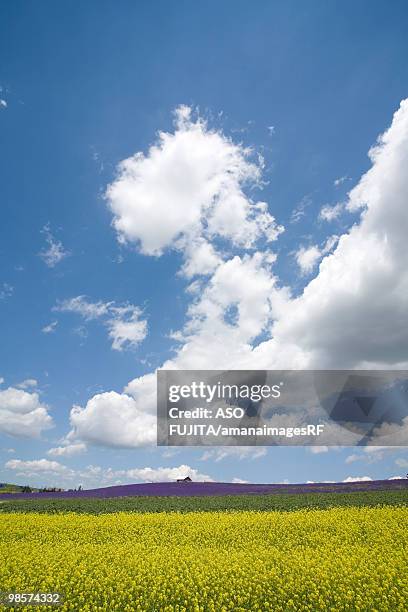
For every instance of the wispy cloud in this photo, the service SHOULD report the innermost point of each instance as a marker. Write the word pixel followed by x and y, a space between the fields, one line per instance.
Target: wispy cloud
pixel 67 450
pixel 234 452
pixel 82 306
pixel 342 179
pixel 331 212
pixel 28 383
pixel 300 209
pixel 50 328
pixel 54 252
pixel 6 291
pixel 126 327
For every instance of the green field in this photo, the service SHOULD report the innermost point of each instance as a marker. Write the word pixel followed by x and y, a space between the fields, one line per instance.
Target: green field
pixel 283 502
pixel 7 487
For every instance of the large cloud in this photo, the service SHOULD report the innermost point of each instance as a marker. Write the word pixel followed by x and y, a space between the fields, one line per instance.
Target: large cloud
pixel 352 314
pixel 113 419
pixel 236 306
pixel 23 414
pixel 189 188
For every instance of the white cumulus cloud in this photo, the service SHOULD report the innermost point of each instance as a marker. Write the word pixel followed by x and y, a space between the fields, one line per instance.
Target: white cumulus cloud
pixel 114 419
pixel 23 414
pixel 352 314
pixel 37 466
pixel 308 257
pixel 166 474
pixel 187 190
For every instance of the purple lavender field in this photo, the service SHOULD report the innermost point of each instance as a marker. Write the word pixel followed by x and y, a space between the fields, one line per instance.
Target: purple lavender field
pixel 202 489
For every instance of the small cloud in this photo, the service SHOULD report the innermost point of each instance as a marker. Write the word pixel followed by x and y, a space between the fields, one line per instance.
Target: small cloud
pixel 80 305
pixel 68 450
pixel 234 452
pixel 239 481
pixel 36 467
pixel 6 291
pixel 50 328
pixel 170 452
pixel 3 103
pixel 22 414
pixel 96 156
pixel 330 213
pixel 372 454
pixel 194 288
pixel 54 253
pixel 353 458
pixel 271 129
pixel 402 463
pixel 357 479
pixel 29 383
pixel 166 474
pixel 342 179
pixel 307 257
pixel 300 210
pixel 81 331
pixel 317 450
pixel 126 327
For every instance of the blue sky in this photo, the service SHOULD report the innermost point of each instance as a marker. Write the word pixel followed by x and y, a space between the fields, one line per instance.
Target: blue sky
pixel 309 87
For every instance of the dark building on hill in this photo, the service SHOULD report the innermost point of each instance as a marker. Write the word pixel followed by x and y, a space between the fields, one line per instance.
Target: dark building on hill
pixel 186 479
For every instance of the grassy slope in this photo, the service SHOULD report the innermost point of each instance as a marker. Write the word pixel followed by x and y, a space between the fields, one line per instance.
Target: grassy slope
pixel 6 487
pixel 217 503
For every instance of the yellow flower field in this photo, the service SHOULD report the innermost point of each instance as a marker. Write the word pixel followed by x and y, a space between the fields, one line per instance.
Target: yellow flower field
pixel 339 559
